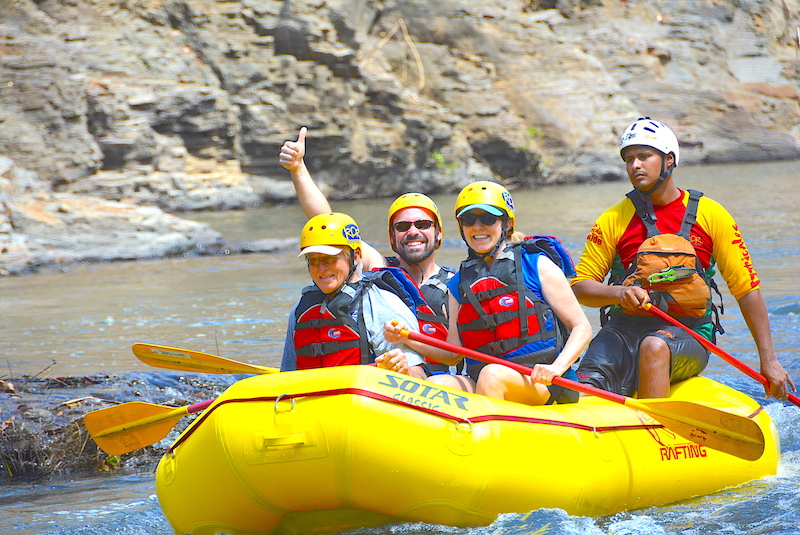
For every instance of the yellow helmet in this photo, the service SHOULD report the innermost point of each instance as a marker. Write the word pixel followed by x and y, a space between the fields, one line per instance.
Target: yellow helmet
pixel 324 233
pixel 416 200
pixel 488 196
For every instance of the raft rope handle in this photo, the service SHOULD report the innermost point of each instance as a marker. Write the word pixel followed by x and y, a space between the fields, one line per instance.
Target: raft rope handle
pixel 278 400
pixel 381 397
pixel 466 421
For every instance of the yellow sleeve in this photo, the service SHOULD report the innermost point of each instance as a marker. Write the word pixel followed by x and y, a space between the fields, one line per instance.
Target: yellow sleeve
pixel 729 249
pixel 601 243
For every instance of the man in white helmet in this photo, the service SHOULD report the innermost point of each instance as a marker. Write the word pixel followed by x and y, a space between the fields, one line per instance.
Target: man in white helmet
pixel 657 245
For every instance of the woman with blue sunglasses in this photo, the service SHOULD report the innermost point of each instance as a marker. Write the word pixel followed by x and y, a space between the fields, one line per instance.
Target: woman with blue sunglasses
pixel 511 299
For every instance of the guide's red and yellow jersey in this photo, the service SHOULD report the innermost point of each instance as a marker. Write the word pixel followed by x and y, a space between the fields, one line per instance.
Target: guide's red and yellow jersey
pixel 715 236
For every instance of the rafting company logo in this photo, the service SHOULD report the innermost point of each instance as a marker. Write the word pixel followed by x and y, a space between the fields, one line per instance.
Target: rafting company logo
pixel 334 333
pixel 508 200
pixel 426 396
pixel 595 235
pixel 689 450
pixel 506 301
pixel 351 233
pixel 675 451
pixel 428 329
pixel 170 353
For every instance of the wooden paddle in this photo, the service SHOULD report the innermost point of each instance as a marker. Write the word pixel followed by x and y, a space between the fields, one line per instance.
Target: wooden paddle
pixel 194 361
pixel 130 426
pixel 716 429
pixel 721 353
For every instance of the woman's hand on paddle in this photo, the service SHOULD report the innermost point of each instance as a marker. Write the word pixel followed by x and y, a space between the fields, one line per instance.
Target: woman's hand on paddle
pixel 391 332
pixel 394 360
pixel 543 373
pixel 633 298
pixel 292 152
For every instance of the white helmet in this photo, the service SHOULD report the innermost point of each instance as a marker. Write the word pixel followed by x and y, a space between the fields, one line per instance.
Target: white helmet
pixel 650 133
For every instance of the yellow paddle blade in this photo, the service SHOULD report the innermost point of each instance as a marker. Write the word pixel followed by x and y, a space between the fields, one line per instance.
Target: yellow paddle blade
pixel 737 435
pixel 194 361
pixel 130 426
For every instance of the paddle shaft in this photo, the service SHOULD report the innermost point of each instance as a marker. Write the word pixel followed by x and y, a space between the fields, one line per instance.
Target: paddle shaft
pixel 194 361
pixel 733 434
pixel 521 368
pixel 721 353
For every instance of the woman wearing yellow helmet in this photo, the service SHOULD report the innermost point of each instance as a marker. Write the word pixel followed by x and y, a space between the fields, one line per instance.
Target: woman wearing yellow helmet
pixel 328 241
pixel 511 299
pixel 486 201
pixel 339 319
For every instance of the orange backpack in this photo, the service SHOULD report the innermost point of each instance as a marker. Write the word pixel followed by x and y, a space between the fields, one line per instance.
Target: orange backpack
pixel 667 266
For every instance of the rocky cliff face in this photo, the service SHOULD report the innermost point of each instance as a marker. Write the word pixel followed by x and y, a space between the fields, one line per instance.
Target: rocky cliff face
pixel 183 104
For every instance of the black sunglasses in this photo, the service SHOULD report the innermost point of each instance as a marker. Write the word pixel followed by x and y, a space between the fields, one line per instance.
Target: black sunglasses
pixel 422 224
pixel 486 218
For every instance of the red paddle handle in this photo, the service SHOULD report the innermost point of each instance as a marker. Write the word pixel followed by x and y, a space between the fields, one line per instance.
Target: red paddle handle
pixel 721 353
pixel 521 368
pixel 200 406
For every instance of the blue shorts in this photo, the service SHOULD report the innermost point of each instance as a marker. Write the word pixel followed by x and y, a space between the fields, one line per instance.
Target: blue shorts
pixel 611 361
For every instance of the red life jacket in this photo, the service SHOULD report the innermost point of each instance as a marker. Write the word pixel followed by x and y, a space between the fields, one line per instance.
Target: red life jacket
pixel 325 332
pixel 332 332
pixel 500 315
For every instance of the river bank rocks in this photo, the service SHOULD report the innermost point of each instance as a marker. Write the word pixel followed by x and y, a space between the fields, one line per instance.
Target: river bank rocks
pixel 41 228
pixel 42 435
pixel 141 107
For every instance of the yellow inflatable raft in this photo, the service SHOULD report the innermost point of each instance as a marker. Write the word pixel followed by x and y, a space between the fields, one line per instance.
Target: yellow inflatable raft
pixel 329 450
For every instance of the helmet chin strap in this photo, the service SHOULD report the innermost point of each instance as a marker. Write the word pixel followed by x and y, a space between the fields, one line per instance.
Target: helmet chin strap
pixel 353 267
pixel 665 174
pixel 646 194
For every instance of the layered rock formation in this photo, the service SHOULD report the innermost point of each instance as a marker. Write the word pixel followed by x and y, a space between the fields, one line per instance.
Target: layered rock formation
pixel 183 104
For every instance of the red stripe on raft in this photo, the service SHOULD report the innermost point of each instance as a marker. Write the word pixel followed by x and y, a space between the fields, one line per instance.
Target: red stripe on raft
pixel 387 399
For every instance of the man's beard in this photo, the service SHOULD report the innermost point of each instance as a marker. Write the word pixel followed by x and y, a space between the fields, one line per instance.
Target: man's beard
pixel 416 256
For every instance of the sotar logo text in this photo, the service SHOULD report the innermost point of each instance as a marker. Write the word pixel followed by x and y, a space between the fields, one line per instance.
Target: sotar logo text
pixel 427 396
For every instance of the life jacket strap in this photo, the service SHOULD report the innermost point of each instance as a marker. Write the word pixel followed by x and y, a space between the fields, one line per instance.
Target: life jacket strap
pixel 325 348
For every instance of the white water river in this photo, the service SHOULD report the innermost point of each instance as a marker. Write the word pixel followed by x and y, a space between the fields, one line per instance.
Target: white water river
pixel 83 320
